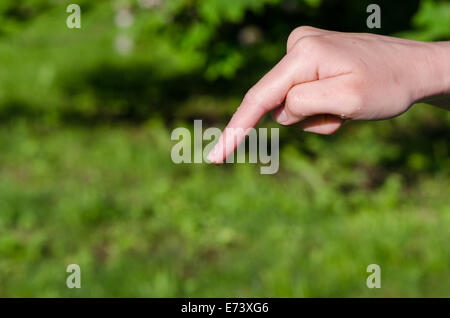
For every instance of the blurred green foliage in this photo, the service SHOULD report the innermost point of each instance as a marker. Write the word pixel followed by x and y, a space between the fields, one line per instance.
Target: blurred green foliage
pixel 86 175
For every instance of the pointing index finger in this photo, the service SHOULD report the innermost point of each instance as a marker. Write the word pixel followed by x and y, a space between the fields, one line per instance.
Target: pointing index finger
pixel 266 95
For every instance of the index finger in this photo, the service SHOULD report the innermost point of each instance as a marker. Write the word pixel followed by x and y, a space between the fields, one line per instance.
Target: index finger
pixel 267 94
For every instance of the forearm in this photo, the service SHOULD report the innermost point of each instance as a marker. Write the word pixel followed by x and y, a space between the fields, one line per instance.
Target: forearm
pixel 438 87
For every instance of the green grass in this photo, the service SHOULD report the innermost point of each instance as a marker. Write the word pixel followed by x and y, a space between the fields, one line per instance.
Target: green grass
pixel 111 200
pixel 85 179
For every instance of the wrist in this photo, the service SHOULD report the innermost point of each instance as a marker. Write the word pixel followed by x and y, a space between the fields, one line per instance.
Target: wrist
pixel 433 79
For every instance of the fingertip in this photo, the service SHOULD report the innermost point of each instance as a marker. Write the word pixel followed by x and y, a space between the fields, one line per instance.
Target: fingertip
pixel 210 157
pixel 322 124
pixel 214 156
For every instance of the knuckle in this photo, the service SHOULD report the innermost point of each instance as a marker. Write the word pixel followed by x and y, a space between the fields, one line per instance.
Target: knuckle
pixel 357 98
pixel 310 43
pixel 299 33
pixel 251 97
pixel 295 34
pixel 254 101
pixel 293 102
pixel 359 66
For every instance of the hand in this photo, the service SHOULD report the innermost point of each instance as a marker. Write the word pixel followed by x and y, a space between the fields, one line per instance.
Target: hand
pixel 327 77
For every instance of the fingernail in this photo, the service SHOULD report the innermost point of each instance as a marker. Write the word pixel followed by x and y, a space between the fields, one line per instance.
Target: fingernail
pixel 282 117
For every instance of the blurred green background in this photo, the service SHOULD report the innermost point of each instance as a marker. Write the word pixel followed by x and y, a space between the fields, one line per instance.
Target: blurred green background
pixel 86 175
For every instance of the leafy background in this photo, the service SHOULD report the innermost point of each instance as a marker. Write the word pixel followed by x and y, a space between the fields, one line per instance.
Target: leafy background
pixel 86 175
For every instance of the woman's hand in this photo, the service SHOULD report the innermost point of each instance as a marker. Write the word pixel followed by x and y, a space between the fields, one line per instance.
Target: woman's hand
pixel 327 77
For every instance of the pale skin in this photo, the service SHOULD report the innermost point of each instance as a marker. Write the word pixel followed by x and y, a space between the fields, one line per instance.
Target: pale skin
pixel 327 77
